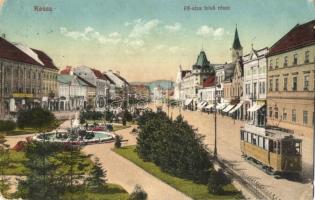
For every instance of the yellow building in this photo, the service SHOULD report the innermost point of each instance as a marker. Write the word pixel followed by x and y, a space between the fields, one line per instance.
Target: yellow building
pixel 291 72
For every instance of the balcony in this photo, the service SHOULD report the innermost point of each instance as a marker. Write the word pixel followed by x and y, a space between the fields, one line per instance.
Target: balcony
pixel 307 95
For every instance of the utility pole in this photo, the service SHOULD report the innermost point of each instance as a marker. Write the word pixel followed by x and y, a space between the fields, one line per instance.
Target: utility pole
pixel 215 118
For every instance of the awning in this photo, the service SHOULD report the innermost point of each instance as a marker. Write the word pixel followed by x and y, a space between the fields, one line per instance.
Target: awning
pixel 221 106
pixel 209 106
pixel 188 101
pixel 45 99
pixel 200 104
pixel 203 104
pixel 236 107
pixel 228 108
pixel 255 107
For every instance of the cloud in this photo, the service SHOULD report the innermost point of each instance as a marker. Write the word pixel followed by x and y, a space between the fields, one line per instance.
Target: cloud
pixel 173 28
pixel 175 49
pixel 160 47
pixel 90 34
pixel 142 28
pixel 311 1
pixel 206 31
pixel 135 44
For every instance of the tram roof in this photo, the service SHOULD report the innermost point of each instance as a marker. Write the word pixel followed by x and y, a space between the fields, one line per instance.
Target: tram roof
pixel 269 132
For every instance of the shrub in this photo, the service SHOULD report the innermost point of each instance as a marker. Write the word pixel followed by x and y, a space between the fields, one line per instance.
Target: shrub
pixel 7 125
pixel 138 194
pixel 216 181
pixel 118 141
pixel 97 177
pixel 36 118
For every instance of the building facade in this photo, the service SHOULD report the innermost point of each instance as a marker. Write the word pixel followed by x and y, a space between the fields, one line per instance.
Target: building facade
pixel 193 80
pixel 27 78
pixel 291 73
pixel 255 81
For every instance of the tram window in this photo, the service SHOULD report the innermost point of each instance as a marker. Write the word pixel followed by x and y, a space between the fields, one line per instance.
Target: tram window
pixel 245 136
pixel 261 142
pixel 270 144
pixel 290 147
pixel 254 139
pixel 242 135
pixel 298 148
pixel 266 146
pixel 249 138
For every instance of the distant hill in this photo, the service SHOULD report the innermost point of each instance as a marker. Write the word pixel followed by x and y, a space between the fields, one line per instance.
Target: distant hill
pixel 165 84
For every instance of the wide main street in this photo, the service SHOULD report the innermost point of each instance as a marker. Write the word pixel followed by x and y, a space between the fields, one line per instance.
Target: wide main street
pixel 228 146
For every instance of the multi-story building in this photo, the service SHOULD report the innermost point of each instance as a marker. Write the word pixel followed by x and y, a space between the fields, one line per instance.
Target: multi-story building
pixel 28 78
pixel 116 83
pixel 254 93
pixel 291 71
pixel 193 80
pixel 233 84
pixel 74 92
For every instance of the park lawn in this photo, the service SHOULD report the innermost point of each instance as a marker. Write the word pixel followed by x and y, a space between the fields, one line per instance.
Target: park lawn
pixel 110 192
pixel 17 164
pixel 28 130
pixel 194 190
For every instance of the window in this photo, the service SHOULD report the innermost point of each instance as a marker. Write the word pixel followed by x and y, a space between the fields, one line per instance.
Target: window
pixel 270 64
pixel 277 85
pixel 277 61
pixel 285 62
pixel 293 115
pixel 270 112
pixel 284 115
pixel 285 83
pixel 306 82
pixel 261 142
pixel 294 83
pixel 34 77
pixel 307 56
pixel 305 115
pixel 270 85
pixel 276 112
pixel 295 59
pixel 266 146
pixel 263 87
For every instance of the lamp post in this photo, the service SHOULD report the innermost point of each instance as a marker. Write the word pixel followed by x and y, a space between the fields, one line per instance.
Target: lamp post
pixel 215 118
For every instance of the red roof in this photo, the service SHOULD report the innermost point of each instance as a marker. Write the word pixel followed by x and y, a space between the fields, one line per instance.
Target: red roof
pixel 11 52
pixel 66 71
pixel 48 62
pixel 210 81
pixel 298 36
pixel 98 74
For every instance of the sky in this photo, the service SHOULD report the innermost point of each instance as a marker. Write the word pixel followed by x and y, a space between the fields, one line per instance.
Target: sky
pixel 148 39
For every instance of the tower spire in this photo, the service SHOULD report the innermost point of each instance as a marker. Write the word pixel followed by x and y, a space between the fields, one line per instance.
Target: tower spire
pixel 236 42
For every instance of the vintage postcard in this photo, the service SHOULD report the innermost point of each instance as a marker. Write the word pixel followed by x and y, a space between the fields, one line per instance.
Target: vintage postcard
pixel 157 99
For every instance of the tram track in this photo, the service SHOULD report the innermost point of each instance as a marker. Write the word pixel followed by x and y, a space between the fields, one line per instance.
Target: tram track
pixel 251 184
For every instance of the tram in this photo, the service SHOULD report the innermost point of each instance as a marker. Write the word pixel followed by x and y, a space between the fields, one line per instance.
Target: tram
pixel 277 151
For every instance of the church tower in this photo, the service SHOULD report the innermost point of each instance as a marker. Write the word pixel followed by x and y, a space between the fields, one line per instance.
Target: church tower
pixel 237 49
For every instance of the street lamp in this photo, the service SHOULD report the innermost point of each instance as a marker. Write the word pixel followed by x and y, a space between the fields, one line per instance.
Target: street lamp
pixel 215 118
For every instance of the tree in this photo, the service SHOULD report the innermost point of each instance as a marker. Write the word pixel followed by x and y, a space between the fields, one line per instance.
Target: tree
pixel 118 140
pixel 37 118
pixel 4 163
pixel 216 181
pixel 138 194
pixel 97 178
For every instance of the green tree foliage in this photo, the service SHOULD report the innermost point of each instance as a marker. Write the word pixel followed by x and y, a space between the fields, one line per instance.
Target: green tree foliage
pixel 4 163
pixel 118 140
pixel 216 181
pixel 7 125
pixel 37 118
pixel 97 178
pixel 138 194
pixel 50 166
pixel 174 146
